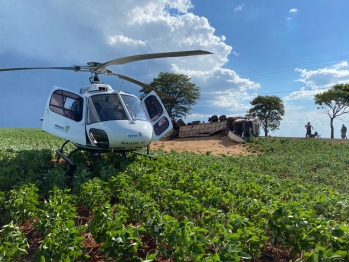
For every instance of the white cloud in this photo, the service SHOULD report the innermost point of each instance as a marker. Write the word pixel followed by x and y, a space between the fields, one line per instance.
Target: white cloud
pixel 239 8
pixel 325 77
pixel 120 39
pixel 341 65
pixel 222 91
pixel 292 13
pixel 65 33
pixel 79 32
pixel 302 94
pixel 233 100
pixel 218 80
pixel 317 81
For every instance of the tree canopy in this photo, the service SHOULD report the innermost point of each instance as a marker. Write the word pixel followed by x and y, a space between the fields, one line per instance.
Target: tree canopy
pixel 334 102
pixel 177 86
pixel 269 110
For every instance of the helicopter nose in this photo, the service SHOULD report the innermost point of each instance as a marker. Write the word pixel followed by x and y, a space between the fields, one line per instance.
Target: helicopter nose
pixel 132 137
pixel 122 134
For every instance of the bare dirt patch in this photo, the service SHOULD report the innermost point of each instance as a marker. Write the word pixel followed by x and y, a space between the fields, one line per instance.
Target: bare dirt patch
pixel 216 144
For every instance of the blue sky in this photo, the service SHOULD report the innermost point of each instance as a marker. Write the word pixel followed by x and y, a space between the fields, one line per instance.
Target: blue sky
pixel 292 49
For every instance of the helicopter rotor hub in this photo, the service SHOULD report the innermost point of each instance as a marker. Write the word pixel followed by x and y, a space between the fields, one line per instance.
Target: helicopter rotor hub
pixel 97 68
pixel 94 64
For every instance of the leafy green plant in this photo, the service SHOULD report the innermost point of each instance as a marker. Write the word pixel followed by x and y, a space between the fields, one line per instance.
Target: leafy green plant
pixel 108 228
pixel 139 206
pixel 81 175
pixel 187 206
pixel 56 211
pixel 63 243
pixel 54 178
pixel 13 243
pixel 22 203
pixel 6 218
pixel 123 243
pixel 94 193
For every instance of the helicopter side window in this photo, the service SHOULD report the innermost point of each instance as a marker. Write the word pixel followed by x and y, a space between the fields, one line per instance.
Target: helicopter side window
pixel 67 104
pixel 161 126
pixel 154 108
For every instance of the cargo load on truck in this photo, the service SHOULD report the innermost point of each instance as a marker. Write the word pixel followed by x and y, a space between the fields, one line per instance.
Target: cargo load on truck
pixel 241 128
pixel 206 129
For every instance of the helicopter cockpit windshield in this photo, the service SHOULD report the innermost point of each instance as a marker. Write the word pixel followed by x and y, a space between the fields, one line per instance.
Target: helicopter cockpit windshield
pixel 105 107
pixel 133 105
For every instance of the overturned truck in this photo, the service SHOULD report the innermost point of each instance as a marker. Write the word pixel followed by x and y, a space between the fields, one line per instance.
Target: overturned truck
pixel 241 129
pixel 237 128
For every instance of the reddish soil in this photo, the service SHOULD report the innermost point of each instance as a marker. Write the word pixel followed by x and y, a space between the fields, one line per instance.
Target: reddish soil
pixel 216 145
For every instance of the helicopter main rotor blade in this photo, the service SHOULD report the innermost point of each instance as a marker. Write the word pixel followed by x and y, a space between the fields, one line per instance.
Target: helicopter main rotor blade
pixel 75 68
pixel 128 59
pixel 132 80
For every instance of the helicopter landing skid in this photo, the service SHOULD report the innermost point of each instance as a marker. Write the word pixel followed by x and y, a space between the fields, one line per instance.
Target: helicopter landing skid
pixel 144 154
pixel 94 153
pixel 66 158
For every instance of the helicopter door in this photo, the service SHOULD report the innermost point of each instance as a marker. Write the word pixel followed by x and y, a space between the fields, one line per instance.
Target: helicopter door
pixel 64 116
pixel 157 115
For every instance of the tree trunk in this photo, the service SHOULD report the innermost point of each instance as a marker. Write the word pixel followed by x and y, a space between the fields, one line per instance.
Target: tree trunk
pixel 332 129
pixel 265 131
pixel 265 127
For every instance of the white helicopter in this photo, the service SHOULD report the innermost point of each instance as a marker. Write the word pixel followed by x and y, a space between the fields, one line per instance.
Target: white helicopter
pixel 100 119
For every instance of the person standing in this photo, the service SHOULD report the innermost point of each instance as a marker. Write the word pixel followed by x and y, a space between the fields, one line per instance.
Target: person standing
pixel 344 132
pixel 308 127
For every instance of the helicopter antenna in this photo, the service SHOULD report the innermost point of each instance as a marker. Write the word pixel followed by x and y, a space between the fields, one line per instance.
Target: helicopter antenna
pixel 121 85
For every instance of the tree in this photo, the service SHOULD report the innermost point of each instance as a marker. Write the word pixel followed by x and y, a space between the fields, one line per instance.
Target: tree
pixel 334 102
pixel 177 86
pixel 269 110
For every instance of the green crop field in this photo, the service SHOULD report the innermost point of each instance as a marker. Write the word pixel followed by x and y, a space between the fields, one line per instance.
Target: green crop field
pixel 289 202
